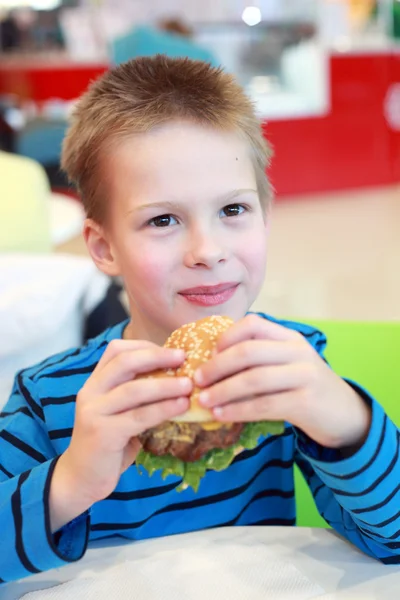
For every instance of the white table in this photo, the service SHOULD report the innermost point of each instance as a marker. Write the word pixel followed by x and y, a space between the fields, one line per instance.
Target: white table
pixel 322 556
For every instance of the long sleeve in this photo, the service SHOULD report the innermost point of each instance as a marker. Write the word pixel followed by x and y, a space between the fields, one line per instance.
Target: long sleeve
pixel 359 496
pixel 27 461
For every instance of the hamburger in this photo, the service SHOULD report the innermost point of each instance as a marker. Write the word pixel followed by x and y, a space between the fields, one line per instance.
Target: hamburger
pixel 192 443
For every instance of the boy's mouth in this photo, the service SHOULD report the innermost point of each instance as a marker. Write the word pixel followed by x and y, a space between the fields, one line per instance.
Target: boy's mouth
pixel 210 295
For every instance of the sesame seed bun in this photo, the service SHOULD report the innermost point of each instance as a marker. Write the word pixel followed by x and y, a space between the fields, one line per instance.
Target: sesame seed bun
pixel 198 339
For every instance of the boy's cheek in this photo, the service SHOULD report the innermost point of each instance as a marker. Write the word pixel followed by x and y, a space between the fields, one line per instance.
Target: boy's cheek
pixel 255 246
pixel 148 271
pixel 257 260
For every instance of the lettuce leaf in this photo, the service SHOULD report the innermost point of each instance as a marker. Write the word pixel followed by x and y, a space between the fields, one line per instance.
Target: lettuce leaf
pixel 216 460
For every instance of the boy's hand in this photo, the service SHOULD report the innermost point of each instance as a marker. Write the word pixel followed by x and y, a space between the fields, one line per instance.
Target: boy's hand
pixel 264 371
pixel 113 408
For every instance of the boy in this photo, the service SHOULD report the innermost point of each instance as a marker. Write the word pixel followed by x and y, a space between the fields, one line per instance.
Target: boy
pixel 170 162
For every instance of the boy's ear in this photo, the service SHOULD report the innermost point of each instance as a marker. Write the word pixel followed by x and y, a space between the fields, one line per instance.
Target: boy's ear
pixel 99 247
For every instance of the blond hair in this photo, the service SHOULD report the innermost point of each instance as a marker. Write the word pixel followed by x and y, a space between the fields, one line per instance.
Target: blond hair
pixel 147 92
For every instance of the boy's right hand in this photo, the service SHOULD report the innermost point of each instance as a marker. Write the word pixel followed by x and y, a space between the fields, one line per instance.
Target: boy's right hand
pixel 112 409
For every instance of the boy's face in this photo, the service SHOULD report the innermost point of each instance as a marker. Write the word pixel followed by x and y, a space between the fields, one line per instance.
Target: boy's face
pixel 186 230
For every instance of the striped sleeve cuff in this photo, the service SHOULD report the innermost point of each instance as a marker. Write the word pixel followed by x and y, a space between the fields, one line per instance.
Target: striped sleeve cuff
pixel 361 479
pixel 42 549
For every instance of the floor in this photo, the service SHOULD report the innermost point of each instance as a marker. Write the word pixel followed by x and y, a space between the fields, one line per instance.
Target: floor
pixel 331 256
pixel 335 256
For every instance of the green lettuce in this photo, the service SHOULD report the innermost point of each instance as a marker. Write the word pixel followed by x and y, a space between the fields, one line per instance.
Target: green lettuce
pixel 216 460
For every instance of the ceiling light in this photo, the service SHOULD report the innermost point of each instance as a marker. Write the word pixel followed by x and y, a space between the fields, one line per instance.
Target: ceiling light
pixel 251 15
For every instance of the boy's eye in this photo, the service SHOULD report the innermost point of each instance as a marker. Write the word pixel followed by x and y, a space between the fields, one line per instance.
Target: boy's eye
pixel 233 210
pixel 163 221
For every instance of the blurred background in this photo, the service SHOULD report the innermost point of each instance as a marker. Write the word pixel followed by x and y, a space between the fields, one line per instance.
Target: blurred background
pixel 325 79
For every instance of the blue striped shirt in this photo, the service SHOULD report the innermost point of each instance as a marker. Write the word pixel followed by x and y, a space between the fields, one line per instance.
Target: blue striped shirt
pixel 358 495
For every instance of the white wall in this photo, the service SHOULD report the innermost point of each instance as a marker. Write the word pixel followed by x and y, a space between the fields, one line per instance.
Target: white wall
pixel 210 10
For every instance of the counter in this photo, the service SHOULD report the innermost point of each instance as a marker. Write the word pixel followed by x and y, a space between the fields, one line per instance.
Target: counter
pixel 353 142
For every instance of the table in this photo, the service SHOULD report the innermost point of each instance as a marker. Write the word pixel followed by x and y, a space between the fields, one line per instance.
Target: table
pixel 321 555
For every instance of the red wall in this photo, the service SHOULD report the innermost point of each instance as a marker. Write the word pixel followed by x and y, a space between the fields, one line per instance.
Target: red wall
pixel 353 146
pixel 395 133
pixel 42 82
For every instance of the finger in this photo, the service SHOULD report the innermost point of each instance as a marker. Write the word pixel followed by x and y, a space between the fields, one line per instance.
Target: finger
pixel 274 407
pixel 254 327
pixel 126 365
pixel 139 392
pixel 135 422
pixel 254 382
pixel 115 347
pixel 245 355
pixel 130 453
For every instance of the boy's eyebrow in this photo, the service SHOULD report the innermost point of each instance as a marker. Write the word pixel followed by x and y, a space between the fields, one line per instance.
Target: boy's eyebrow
pixel 174 204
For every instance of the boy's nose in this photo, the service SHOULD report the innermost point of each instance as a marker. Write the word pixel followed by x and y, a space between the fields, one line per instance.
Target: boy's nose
pixel 204 251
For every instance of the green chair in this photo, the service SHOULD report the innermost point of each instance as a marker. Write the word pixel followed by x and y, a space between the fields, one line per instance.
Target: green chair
pixel 368 353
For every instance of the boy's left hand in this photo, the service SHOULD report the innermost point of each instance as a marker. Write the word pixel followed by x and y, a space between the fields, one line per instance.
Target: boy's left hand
pixel 264 371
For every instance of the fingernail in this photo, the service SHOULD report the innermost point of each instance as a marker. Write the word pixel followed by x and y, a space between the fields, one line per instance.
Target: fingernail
pixel 198 377
pixel 185 383
pixel 218 411
pixel 204 398
pixel 182 402
pixel 179 354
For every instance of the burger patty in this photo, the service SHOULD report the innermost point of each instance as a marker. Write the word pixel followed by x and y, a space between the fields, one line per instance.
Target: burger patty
pixel 188 441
